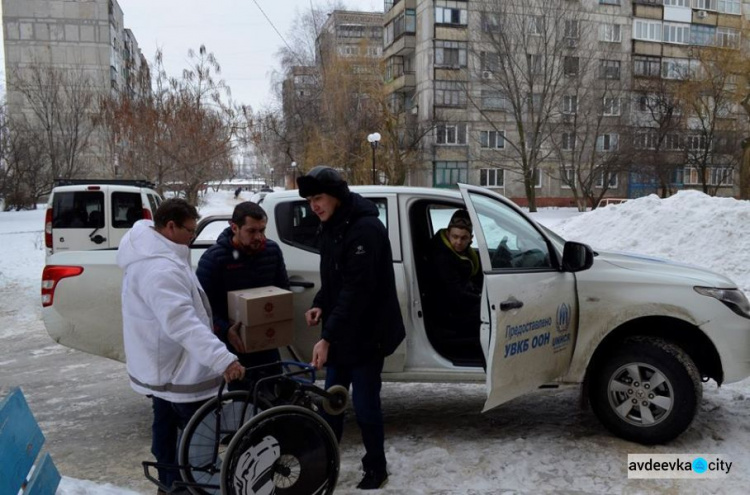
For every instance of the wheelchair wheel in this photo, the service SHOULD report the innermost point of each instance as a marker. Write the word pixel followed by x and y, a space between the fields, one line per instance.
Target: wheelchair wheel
pixel 286 450
pixel 199 457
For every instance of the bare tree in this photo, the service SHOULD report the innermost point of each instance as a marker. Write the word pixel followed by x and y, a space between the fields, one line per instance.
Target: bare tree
pixel 592 144
pixel 60 103
pixel 525 45
pixel 709 90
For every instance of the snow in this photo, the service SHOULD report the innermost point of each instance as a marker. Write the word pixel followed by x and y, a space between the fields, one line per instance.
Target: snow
pixel 436 439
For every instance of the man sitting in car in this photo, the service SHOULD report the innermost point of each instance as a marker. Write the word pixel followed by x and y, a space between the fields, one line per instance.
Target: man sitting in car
pixel 457 277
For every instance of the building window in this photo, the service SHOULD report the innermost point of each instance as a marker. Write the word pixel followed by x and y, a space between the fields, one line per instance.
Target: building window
pixel 570 66
pixel 610 106
pixel 568 141
pixel 704 4
pixel 609 69
pixel 489 61
pixel 492 139
pixel 451 12
pixel 730 6
pixel 537 178
pixel 646 140
pixel 490 22
pixel 675 68
pixel 448 174
pixel 534 63
pixel 607 142
pixel 495 100
pixel 536 25
pixel 450 53
pixel 449 94
pixel 571 29
pixel 676 33
pixel 609 2
pixel 727 37
pixel 646 66
pixel 702 35
pixel 567 177
pixel 570 104
pixel 677 3
pixel 697 142
pixel 647 30
pixel 611 177
pixel 610 33
pixel 720 176
pixel 451 134
pixel 492 177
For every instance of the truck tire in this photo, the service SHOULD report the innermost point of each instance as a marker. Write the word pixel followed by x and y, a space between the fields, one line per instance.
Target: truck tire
pixel 647 390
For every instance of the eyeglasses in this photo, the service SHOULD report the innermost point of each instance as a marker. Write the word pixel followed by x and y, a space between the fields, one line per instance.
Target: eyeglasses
pixel 190 231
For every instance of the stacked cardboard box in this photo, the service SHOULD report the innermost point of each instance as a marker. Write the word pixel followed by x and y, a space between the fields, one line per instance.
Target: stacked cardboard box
pixel 266 314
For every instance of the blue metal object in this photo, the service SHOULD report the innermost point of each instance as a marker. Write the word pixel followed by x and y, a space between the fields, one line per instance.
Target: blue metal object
pixel 21 440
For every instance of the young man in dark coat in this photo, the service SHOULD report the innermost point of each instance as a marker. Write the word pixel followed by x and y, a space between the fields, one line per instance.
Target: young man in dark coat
pixel 242 258
pixel 358 305
pixel 457 276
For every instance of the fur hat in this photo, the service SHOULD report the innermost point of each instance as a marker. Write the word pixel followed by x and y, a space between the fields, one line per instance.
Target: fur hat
pixel 322 179
pixel 460 220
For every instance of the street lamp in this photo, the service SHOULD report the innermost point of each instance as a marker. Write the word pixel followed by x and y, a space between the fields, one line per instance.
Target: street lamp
pixel 373 139
pixel 294 175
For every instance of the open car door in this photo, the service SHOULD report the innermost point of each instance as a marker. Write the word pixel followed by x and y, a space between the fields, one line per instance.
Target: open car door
pixel 529 307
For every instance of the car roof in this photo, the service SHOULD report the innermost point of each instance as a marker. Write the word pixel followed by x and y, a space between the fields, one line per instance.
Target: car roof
pixel 410 190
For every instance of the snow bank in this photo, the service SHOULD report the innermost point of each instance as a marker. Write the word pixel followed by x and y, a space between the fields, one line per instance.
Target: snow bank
pixel 689 227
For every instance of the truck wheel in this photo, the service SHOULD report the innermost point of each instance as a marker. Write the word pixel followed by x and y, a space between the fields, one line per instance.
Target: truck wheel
pixel 646 391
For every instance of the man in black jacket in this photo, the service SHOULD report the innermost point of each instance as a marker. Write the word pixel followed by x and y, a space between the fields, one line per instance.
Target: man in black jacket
pixel 358 305
pixel 242 258
pixel 457 277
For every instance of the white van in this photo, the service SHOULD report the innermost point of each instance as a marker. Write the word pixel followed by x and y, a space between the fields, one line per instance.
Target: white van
pixel 94 214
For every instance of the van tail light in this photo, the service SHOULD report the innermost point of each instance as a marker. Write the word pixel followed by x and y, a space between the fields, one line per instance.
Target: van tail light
pixel 53 274
pixel 147 214
pixel 48 228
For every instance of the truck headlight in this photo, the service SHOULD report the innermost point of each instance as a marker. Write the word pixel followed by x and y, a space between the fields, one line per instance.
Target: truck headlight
pixel 734 299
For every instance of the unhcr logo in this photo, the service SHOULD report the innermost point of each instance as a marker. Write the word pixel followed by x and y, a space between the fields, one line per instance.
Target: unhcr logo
pixel 563 317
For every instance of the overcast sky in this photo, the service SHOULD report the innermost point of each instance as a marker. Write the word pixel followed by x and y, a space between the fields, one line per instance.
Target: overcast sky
pixel 236 31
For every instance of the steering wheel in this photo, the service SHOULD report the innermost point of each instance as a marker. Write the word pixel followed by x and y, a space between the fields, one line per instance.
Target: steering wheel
pixel 502 257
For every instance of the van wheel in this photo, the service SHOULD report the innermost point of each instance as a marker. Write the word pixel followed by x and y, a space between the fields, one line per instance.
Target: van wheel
pixel 646 391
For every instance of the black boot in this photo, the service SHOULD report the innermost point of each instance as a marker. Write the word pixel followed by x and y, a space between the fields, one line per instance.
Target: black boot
pixel 373 479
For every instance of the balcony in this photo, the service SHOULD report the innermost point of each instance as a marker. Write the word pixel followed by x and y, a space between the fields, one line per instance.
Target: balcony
pixel 405 82
pixel 404 45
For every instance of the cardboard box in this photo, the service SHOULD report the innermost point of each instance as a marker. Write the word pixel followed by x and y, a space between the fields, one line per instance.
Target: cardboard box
pixel 268 336
pixel 260 305
pixel 266 314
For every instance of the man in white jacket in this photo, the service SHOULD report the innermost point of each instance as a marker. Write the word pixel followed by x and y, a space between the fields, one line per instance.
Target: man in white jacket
pixel 171 351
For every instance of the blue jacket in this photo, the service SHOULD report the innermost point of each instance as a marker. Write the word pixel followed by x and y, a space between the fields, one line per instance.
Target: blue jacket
pixel 222 268
pixel 361 314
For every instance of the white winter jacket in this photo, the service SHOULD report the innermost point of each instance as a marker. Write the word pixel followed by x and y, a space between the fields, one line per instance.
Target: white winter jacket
pixel 170 348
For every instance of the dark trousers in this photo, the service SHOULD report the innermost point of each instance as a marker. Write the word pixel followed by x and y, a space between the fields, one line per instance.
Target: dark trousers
pixel 366 384
pixel 169 419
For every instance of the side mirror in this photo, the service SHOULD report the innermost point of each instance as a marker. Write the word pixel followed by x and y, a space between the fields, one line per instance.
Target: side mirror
pixel 577 257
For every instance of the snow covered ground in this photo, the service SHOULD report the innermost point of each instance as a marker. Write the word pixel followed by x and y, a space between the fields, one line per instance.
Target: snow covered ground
pixel 437 440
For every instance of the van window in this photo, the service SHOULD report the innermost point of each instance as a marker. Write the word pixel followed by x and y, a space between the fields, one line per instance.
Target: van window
pixel 298 225
pixel 127 209
pixel 79 209
pixel 153 201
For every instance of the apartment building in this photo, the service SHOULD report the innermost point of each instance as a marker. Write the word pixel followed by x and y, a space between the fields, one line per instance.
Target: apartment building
pixel 355 38
pixel 587 74
pixel 84 40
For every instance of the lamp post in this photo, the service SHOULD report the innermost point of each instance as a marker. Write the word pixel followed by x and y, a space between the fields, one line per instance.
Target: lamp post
pixel 374 139
pixel 294 175
pixel 272 178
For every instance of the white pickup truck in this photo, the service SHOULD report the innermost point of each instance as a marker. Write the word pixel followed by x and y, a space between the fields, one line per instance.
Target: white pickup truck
pixel 639 334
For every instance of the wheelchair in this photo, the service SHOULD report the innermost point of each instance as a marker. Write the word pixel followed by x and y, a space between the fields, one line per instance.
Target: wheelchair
pixel 268 440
